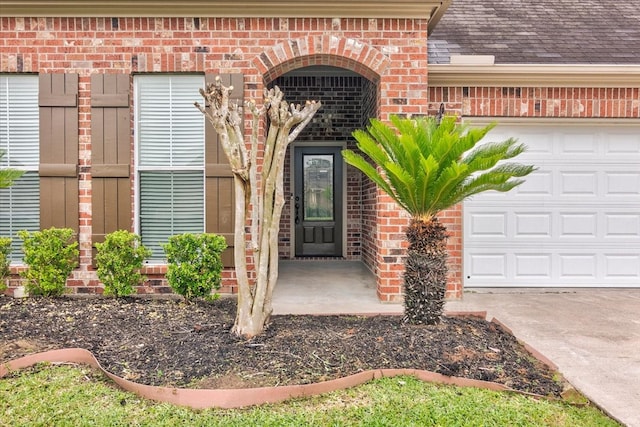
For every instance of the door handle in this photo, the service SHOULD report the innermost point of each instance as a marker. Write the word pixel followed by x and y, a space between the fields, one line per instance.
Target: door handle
pixel 297 206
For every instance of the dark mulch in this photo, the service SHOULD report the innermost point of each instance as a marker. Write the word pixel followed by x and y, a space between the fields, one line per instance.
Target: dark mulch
pixel 168 342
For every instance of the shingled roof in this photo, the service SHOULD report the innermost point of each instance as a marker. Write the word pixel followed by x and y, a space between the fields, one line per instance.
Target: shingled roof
pixel 540 31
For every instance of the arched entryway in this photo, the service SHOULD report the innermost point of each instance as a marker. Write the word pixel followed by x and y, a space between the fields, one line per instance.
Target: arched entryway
pixel 327 201
pixel 318 184
pixel 391 79
pixel 329 205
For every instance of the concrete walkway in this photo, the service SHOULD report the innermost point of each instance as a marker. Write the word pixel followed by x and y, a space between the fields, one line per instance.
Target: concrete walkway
pixel 593 335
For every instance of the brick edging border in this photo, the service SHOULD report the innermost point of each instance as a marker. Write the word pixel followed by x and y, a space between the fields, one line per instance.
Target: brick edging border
pixel 237 398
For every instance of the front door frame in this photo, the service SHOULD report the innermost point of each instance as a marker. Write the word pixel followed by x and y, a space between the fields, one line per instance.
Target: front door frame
pixel 292 171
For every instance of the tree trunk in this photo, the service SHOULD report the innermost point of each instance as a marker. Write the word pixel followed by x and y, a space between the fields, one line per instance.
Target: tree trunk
pixel 425 276
pixel 259 197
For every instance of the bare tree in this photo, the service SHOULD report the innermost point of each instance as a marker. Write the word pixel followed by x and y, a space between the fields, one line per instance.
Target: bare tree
pixel 259 193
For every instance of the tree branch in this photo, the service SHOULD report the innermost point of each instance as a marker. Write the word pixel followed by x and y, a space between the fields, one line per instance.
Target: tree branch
pixel 305 115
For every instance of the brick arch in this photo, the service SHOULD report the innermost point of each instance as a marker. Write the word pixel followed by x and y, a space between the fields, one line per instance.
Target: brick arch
pixel 330 50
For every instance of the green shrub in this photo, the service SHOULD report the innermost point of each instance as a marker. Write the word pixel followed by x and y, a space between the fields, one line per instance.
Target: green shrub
pixel 5 250
pixel 50 255
pixel 119 261
pixel 194 263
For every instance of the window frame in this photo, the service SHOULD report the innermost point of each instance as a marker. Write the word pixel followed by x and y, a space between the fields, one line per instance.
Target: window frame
pixel 138 167
pixel 31 169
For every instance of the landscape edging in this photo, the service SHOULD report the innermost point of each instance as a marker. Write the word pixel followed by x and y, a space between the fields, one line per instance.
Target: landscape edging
pixel 237 398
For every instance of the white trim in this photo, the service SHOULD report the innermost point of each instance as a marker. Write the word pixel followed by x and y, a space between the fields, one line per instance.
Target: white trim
pixel 136 156
pixel 472 59
pixel 535 75
pixel 418 9
pixel 597 121
pixel 21 91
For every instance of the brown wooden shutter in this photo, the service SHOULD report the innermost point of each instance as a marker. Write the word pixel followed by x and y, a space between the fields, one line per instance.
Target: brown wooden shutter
pixel 219 197
pixel 110 155
pixel 58 101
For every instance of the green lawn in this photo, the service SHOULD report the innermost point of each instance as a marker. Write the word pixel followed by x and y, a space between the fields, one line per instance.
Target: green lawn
pixel 80 396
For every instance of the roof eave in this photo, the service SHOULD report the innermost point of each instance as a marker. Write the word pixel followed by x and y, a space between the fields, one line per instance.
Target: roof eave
pixel 419 9
pixel 535 75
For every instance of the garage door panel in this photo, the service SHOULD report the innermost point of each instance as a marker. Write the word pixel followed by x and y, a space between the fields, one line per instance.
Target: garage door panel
pixel 622 142
pixel 625 183
pixel 622 225
pixel 578 225
pixel 565 225
pixel 538 184
pixel 577 266
pixel 577 144
pixel 574 222
pixel 612 181
pixel 533 266
pixel 488 266
pixel 621 265
pixel 536 147
pixel 553 267
pixel 489 224
pixel 532 224
pixel 579 183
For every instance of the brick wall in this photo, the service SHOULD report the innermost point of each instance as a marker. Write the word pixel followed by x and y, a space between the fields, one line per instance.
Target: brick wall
pixel 555 102
pixel 386 52
pixel 369 191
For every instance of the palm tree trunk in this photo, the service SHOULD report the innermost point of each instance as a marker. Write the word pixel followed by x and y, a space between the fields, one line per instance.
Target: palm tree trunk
pixel 425 276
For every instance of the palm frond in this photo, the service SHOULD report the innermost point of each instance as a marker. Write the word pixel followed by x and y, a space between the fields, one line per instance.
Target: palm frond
pixel 356 160
pixel 427 167
pixel 403 183
pixel 369 146
pixel 425 180
pixel 448 180
pixel 500 178
pixel 383 135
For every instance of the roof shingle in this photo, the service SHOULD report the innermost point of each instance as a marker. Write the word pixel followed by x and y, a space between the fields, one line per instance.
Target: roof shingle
pixel 540 31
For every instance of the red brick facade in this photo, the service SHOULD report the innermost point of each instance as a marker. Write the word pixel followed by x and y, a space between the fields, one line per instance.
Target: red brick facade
pixel 556 102
pixel 391 54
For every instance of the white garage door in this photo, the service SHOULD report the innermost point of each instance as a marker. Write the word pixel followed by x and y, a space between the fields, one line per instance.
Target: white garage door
pixel 575 222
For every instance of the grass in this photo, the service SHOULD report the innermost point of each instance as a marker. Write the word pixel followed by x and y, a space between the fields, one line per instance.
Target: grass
pixel 79 396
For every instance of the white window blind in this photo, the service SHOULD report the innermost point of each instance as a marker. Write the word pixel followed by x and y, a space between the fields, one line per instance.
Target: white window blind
pixel 19 139
pixel 170 137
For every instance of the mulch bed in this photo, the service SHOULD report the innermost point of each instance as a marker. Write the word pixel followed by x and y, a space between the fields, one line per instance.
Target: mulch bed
pixel 168 342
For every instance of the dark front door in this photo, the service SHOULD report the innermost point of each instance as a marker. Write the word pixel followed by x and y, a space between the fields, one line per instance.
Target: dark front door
pixel 318 201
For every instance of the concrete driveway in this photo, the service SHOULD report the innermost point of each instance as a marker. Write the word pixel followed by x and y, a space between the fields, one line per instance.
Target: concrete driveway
pixel 593 335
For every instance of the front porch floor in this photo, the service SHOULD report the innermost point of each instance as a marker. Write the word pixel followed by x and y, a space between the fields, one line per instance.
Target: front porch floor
pixel 327 287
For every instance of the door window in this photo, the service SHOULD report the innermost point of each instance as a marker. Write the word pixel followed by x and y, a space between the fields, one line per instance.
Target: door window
pixel 318 187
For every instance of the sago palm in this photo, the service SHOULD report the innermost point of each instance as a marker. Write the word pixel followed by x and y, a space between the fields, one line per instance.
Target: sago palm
pixel 427 167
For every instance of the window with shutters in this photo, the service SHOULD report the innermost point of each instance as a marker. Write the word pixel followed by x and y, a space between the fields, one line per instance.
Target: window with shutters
pixel 19 121
pixel 169 158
